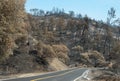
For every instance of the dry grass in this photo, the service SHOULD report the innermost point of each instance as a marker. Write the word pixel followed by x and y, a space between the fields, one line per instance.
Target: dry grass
pixel 97 55
pixel 77 48
pixel 61 52
pixel 6 46
pixel 45 51
pixel 55 55
pixel 92 57
pixel 100 75
pixel 60 48
pixel 56 64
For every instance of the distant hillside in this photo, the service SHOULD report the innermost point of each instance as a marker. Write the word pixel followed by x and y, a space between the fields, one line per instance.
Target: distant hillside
pixel 79 34
pixel 84 32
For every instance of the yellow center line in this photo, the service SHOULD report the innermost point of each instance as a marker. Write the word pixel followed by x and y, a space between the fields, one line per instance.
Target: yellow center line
pixel 52 76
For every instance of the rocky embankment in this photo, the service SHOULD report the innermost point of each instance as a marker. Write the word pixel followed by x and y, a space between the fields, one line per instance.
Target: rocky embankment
pixel 98 75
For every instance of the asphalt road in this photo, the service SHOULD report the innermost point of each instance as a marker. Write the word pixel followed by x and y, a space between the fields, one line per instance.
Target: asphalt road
pixel 67 75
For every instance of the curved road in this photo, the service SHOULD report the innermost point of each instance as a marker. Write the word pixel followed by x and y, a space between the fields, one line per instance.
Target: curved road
pixel 66 75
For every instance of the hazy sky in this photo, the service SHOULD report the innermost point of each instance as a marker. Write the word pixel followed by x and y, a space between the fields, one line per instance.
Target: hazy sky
pixel 96 9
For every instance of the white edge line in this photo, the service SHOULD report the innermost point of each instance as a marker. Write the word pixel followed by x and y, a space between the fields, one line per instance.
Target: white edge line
pixel 84 75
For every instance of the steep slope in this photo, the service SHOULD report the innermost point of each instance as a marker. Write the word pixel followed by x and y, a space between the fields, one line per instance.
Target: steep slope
pixel 19 51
